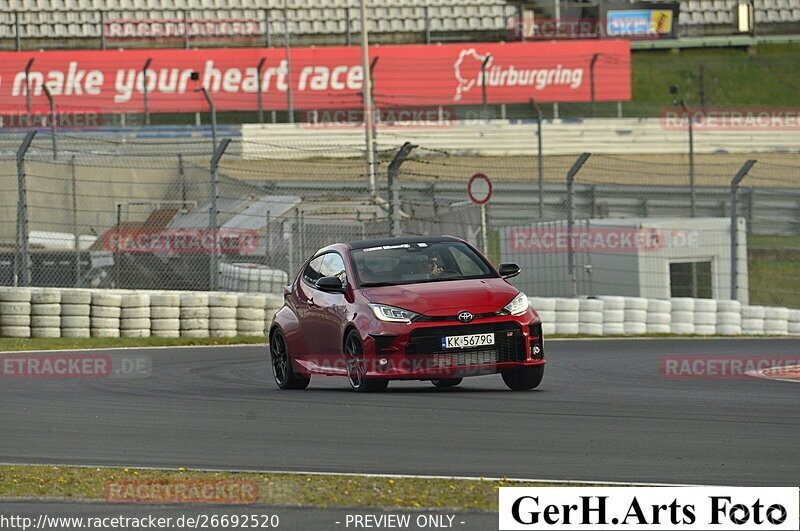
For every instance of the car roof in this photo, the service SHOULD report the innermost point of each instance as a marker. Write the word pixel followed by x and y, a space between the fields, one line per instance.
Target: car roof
pixel 364 244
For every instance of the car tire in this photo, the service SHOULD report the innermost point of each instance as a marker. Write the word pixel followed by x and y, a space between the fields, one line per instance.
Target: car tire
pixel 446 382
pixel 356 367
pixel 523 378
pixel 281 362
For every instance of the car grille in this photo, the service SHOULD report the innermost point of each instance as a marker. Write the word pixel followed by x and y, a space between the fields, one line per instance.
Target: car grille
pixel 427 343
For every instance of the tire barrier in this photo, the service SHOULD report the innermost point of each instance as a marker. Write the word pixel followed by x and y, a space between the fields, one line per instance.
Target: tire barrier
pixel 135 315
pixel 76 313
pixel 251 315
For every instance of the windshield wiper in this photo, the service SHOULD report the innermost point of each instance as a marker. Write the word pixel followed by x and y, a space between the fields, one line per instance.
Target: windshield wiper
pixel 378 284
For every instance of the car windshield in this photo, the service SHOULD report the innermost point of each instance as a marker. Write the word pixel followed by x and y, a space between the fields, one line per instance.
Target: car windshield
pixel 411 263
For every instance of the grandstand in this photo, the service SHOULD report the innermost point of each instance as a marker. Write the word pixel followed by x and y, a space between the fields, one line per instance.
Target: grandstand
pixel 52 23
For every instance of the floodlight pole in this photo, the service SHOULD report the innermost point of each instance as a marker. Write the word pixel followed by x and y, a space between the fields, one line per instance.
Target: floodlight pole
pixel 743 171
pixel 145 91
pixel 540 160
pixel 212 218
pixel 571 221
pixel 259 68
pixel 287 44
pixel 213 109
pixel 367 91
pixel 52 118
pixel 28 89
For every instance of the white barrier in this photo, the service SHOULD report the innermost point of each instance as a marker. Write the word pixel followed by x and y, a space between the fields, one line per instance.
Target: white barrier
pixel 72 313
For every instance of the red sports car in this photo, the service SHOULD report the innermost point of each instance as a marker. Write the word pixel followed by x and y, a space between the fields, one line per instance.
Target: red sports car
pixel 411 308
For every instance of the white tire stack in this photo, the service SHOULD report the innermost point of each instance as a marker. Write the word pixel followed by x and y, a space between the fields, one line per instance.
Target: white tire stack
pixel 567 316
pixel 659 316
pixel 613 315
pixel 682 315
pixel 106 309
pixel 165 315
pixel 635 317
pixel 194 315
pixel 753 320
pixel 222 314
pixel 794 322
pixel 135 316
pixel 46 313
pixel 590 317
pixel 273 304
pixel 15 312
pixel 776 321
pixel 250 314
pixel 729 318
pixel 546 309
pixel 76 307
pixel 705 317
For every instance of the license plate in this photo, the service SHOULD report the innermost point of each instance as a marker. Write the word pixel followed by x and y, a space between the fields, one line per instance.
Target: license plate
pixel 470 341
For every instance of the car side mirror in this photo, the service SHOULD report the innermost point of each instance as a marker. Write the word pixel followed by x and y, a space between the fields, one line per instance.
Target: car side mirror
pixel 508 270
pixel 332 284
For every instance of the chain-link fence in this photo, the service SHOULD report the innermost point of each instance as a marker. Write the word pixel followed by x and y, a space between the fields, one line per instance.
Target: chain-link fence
pixel 111 211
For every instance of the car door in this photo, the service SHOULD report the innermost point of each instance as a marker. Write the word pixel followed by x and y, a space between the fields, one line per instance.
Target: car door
pixel 306 305
pixel 332 309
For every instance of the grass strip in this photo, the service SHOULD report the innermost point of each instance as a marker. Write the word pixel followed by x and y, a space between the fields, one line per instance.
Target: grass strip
pixel 10 344
pixel 50 481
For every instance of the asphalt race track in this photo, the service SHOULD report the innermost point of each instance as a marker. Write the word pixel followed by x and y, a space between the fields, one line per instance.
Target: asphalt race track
pixel 603 412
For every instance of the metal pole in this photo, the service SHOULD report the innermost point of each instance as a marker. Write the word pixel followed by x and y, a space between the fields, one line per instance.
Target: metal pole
pixel 484 236
pixel 75 222
pixel 23 262
pixel 267 30
pixel 146 92
pixel 52 118
pixel 375 118
pixel 28 89
pixel 213 116
pixel 17 37
pixel 259 68
pixel 182 180
pixel 394 192
pixel 287 43
pixel 367 91
pixel 427 26
pixel 539 155
pixel 692 192
pixel 348 31
pixel 212 220
pixel 117 253
pixel 185 29
pixel 743 171
pixel 484 95
pixel 102 17
pixel 591 79
pixel 570 220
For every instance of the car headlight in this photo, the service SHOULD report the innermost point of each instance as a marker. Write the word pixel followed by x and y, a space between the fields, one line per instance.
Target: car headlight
pixel 392 314
pixel 518 305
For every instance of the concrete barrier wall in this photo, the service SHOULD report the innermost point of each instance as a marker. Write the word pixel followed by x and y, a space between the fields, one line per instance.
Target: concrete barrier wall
pixel 68 312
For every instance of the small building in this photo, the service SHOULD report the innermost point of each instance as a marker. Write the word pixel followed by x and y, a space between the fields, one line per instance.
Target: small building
pixel 634 257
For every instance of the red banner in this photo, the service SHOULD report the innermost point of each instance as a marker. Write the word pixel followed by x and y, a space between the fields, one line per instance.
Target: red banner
pixel 321 78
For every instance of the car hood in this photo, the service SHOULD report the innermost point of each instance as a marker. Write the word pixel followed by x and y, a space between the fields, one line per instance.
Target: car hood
pixel 447 297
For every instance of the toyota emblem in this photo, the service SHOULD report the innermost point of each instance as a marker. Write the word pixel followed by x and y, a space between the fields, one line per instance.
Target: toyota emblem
pixel 465 317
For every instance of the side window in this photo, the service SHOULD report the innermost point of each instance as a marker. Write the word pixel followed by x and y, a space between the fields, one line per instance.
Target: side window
pixel 466 264
pixel 333 266
pixel 312 271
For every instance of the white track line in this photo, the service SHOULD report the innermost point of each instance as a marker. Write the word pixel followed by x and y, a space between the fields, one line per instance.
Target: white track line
pixel 367 475
pixel 123 349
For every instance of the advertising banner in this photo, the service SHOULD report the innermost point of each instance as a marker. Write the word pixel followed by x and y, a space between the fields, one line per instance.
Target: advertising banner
pixel 314 78
pixel 641 20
